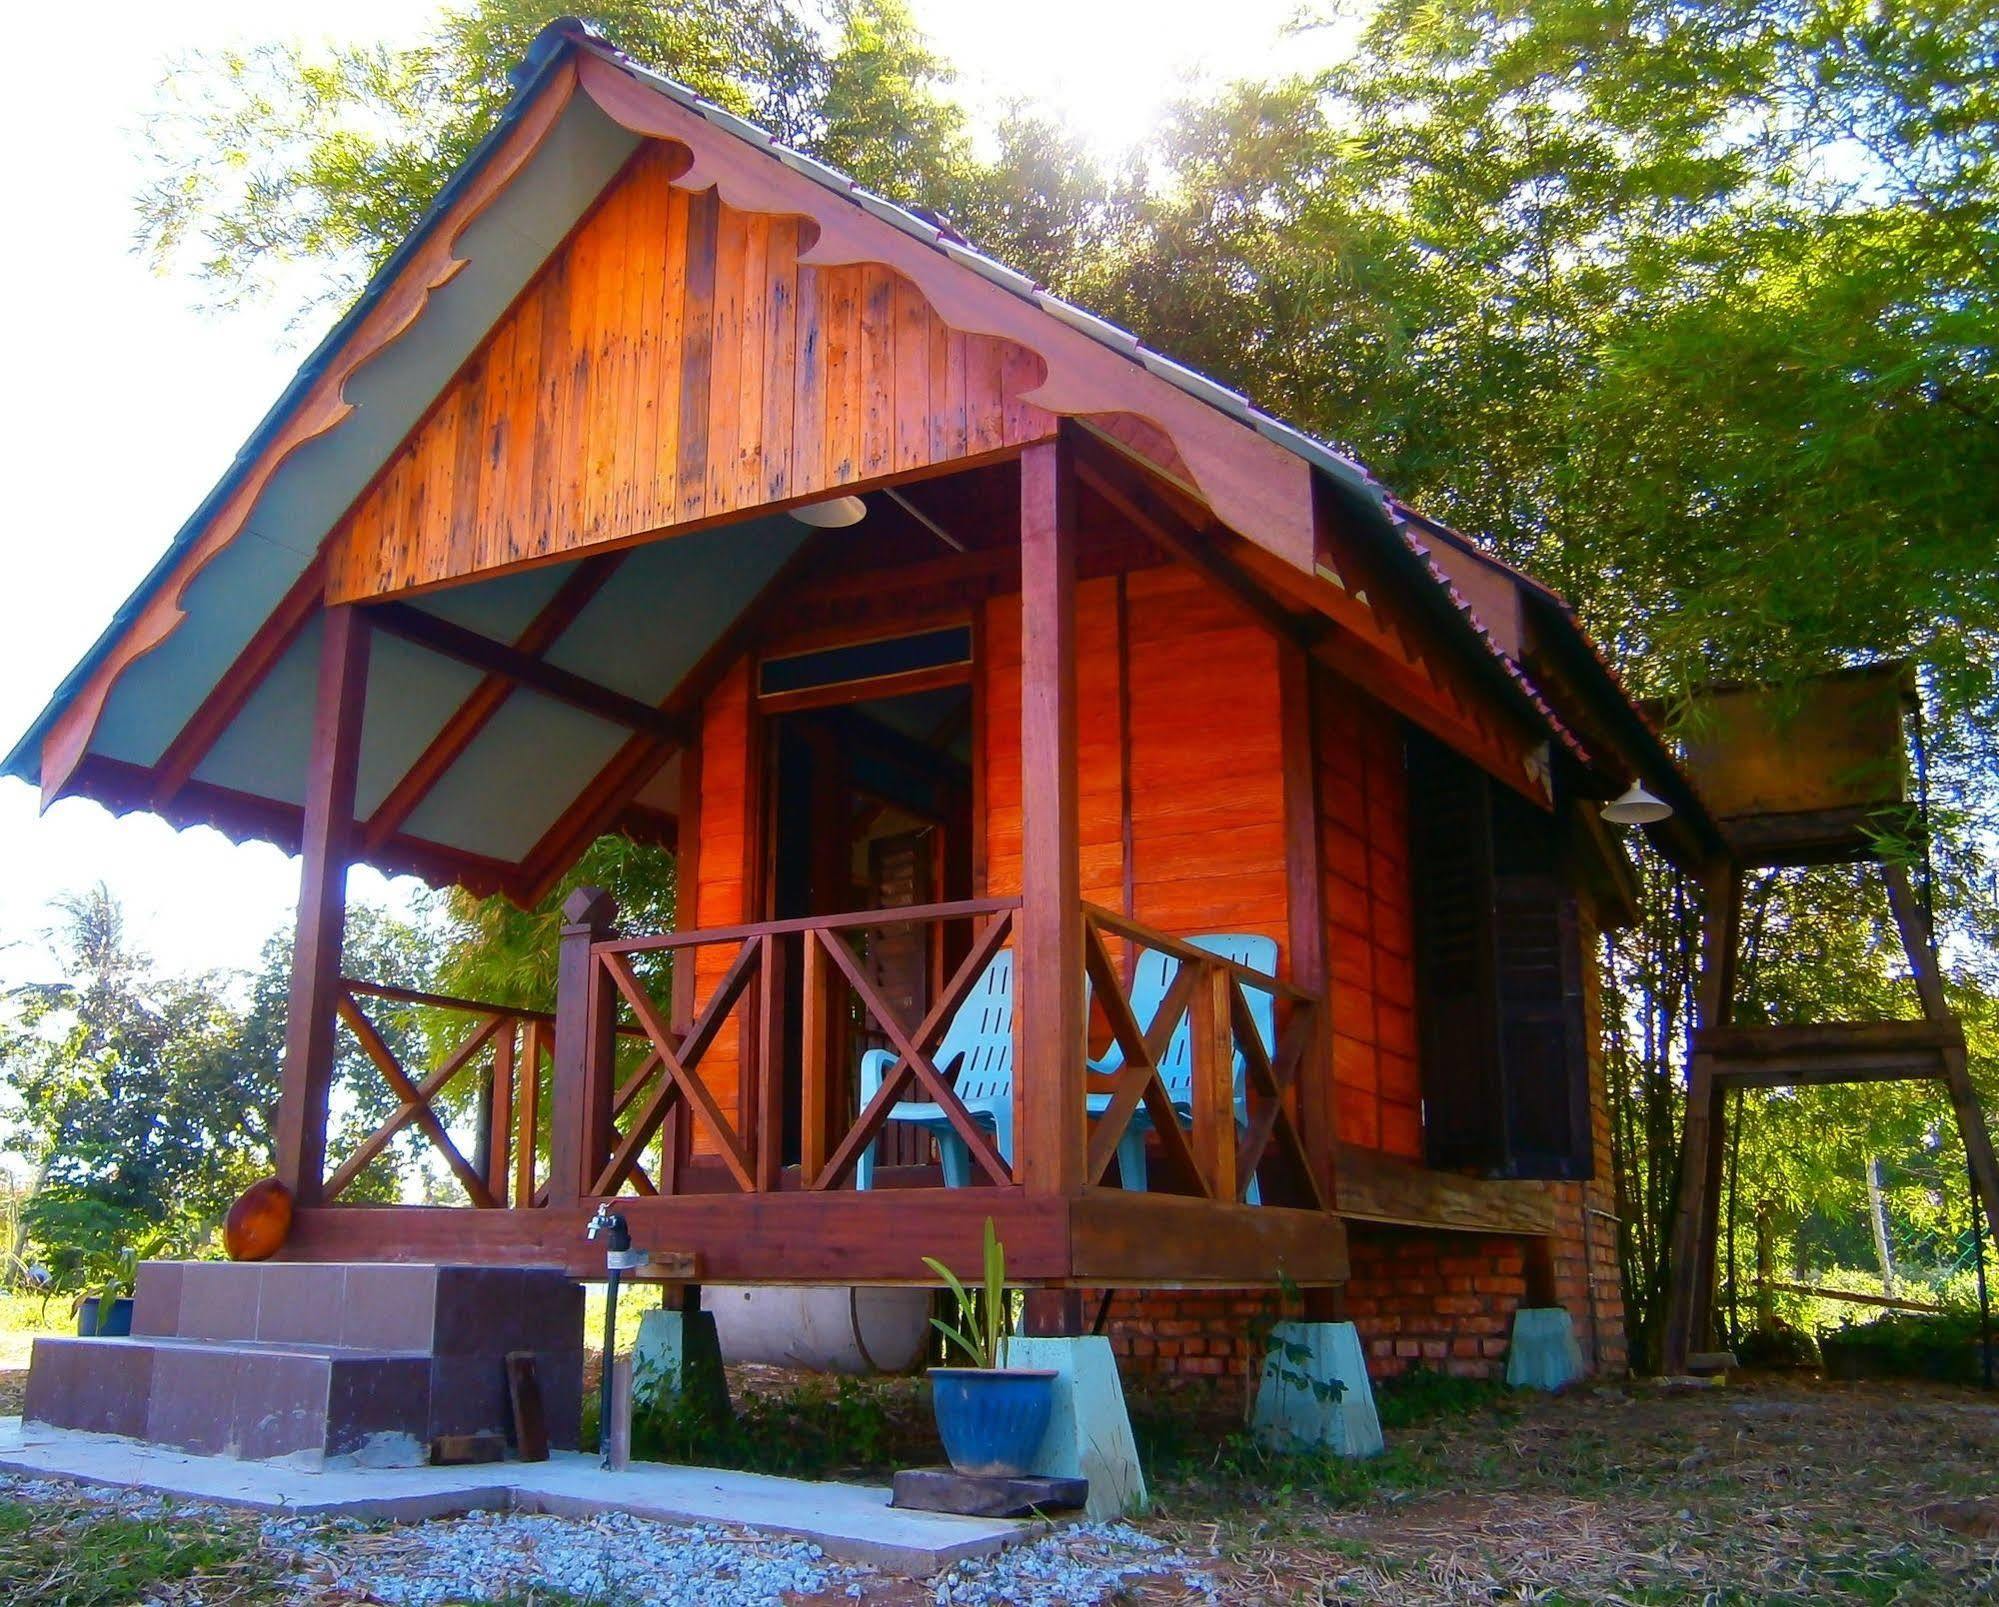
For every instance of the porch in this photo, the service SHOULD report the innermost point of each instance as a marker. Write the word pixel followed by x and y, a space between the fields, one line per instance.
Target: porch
pixel 615 1096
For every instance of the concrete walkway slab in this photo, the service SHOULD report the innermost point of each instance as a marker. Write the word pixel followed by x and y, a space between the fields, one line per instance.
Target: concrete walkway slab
pixel 849 1522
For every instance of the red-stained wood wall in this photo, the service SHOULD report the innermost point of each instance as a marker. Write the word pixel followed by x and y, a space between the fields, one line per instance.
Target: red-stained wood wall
pixel 1178 707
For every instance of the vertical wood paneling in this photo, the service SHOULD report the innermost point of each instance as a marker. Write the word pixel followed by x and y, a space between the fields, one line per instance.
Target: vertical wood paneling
pixel 1098 788
pixel 780 347
pixel 673 362
pixel 1206 762
pixel 1363 848
pixel 697 345
pixel 877 356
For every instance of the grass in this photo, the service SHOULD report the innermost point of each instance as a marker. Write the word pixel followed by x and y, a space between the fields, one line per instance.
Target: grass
pixel 22 1318
pixel 72 1554
pixel 1776 1489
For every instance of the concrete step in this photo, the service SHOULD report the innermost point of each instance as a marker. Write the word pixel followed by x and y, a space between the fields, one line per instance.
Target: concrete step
pixel 390 1306
pixel 305 1403
pixel 319 1361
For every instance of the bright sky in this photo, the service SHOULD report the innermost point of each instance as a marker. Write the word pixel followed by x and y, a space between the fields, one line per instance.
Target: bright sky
pixel 124 406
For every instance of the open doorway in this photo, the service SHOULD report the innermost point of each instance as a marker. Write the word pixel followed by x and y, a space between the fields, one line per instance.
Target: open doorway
pixel 869 806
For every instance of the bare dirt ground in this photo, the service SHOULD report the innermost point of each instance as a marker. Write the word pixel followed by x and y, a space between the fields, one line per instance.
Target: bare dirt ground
pixel 1769 1490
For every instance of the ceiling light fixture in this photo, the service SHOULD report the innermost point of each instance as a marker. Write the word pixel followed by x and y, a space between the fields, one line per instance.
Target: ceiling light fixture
pixel 1634 806
pixel 836 514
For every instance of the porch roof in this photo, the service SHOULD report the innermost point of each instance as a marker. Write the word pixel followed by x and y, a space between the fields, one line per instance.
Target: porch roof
pixel 250 551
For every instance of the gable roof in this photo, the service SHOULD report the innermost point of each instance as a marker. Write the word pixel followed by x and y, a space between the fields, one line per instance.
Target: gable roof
pixel 569 49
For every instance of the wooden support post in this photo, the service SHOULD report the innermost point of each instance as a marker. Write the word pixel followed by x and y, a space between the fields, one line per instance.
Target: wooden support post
pixel 1305 892
pixel 585 1044
pixel 1049 1019
pixel 500 1111
pixel 1211 1040
pixel 1538 1268
pixel 326 849
pixel 1690 1297
pixel 1052 1314
pixel 1919 943
pixel 1324 1303
pixel 815 1062
pixel 767 1133
pixel 527 1112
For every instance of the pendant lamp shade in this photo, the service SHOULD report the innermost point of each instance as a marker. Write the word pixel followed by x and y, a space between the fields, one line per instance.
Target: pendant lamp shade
pixel 1634 806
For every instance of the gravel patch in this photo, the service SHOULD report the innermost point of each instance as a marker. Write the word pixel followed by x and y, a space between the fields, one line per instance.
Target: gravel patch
pixel 609 1558
pixel 1084 1564
pixel 615 1560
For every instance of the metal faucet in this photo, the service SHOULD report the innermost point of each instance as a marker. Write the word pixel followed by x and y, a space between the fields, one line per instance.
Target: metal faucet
pixel 619 1258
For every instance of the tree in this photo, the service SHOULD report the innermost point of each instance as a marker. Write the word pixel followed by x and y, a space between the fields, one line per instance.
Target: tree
pixel 130 1096
pixel 278 159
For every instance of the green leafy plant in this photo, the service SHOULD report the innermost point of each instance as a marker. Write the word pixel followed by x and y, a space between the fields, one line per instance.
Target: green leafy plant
pixel 980 1331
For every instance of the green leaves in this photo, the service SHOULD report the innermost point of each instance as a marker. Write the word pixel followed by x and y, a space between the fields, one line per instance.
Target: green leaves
pixel 981 1329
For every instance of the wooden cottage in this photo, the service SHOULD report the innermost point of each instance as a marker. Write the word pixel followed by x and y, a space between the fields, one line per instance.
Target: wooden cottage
pixel 666 483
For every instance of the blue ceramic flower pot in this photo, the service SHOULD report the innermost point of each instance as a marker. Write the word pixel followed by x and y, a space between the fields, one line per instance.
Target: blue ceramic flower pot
pixel 991 1420
pixel 116 1323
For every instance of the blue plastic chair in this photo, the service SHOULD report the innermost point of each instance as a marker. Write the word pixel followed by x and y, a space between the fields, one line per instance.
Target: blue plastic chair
pixel 1149 984
pixel 979 1041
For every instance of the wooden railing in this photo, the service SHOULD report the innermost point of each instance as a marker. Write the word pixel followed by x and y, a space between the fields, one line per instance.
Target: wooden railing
pixel 633 1080
pixel 503 1046
pixel 669 1102
pixel 1214 1156
pixel 779 1017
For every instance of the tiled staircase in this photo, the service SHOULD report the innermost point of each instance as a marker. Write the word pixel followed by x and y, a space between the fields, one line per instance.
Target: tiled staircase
pixel 311 1362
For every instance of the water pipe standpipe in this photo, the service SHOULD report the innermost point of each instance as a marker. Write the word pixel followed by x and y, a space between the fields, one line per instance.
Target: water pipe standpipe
pixel 619 1258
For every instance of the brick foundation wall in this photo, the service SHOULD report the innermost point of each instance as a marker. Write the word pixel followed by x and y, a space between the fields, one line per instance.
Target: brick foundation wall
pixel 1439 1300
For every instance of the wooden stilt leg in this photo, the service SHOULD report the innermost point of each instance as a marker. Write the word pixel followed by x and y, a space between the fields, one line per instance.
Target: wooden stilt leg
pixel 1052 1314
pixel 1919 943
pixel 1690 1296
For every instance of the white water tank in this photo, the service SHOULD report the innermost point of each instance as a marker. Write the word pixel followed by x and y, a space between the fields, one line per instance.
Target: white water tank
pixel 828 1328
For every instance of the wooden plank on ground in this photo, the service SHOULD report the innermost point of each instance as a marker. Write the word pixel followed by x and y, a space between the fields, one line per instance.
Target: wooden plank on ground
pixel 524 1396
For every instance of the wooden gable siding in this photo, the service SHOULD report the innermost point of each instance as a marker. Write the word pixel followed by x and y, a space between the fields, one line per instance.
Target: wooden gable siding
pixel 1364 833
pixel 673 363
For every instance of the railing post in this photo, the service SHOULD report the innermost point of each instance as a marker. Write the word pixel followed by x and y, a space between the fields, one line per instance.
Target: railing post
pixel 500 1111
pixel 815 1060
pixel 1049 1023
pixel 527 1113
pixel 585 1051
pixel 768 1133
pixel 1212 1047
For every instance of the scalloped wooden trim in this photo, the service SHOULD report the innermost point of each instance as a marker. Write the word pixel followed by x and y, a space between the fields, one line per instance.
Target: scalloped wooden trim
pixel 1252 484
pixel 325 405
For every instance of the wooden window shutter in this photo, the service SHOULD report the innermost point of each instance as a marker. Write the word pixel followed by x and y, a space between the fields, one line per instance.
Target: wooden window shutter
pixel 1498 977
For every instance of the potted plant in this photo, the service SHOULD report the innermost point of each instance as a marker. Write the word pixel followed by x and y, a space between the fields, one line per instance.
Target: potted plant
pixel 991 1417
pixel 107 1313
